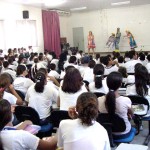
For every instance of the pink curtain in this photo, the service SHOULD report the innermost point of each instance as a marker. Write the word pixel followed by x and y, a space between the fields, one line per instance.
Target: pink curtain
pixel 51 31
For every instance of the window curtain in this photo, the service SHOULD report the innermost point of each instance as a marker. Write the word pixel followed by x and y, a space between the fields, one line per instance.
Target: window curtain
pixel 51 31
pixel 26 33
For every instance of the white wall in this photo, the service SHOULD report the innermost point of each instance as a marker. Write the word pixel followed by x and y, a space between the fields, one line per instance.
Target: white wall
pixel 104 22
pixel 12 12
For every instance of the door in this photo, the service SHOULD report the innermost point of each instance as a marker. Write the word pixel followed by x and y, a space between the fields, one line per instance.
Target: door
pixel 78 38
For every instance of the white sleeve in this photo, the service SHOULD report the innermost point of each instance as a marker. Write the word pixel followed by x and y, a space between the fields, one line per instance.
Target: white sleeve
pixel 128 103
pixel 29 82
pixel 55 94
pixel 27 96
pixel 29 141
pixel 10 97
pixel 107 144
pixel 60 139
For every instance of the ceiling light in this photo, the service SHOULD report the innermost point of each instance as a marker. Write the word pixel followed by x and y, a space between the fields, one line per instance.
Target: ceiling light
pixel 79 8
pixel 120 3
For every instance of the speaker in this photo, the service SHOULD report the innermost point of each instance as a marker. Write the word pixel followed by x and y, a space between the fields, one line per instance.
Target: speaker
pixel 25 14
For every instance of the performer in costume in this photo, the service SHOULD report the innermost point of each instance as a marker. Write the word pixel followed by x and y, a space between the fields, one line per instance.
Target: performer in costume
pixel 118 35
pixel 111 42
pixel 132 42
pixel 91 43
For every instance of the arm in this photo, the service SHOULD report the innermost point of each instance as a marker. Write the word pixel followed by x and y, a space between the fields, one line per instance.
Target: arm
pixel 12 90
pixel 58 101
pixel 54 80
pixel 49 143
pixel 23 125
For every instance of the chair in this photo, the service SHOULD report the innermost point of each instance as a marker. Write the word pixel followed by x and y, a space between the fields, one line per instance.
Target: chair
pixel 28 113
pixel 58 115
pixel 136 100
pixel 115 124
pixel 99 94
pixel 20 94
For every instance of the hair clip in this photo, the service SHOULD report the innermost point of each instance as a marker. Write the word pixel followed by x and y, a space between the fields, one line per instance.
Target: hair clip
pixel 98 75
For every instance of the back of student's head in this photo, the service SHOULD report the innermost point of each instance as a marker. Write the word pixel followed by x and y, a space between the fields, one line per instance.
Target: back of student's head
pixel 148 57
pixel 97 56
pixel 40 80
pixel 72 59
pixel 132 54
pixel 52 66
pixel 87 108
pixel 114 81
pixel 5 64
pixel 21 69
pixel 72 81
pixel 106 60
pixel 120 59
pixel 123 71
pixel 98 72
pixel 91 63
pixel 142 57
pixel 141 80
pixel 5 113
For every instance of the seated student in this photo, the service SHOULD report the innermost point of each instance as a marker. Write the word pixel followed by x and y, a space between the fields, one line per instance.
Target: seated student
pixel 99 84
pixel 113 103
pixel 72 86
pixel 40 96
pixel 22 83
pixel 53 71
pixel 141 85
pixel 148 64
pixel 109 65
pixel 124 74
pixel 12 139
pixel 121 61
pixel 129 65
pixel 83 133
pixel 5 86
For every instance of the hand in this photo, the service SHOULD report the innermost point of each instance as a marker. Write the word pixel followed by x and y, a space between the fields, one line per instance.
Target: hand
pixel 72 112
pixel 27 122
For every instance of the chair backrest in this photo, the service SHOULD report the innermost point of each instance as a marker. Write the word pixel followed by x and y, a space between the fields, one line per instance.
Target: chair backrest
pixel 27 113
pixel 58 115
pixel 98 94
pixel 135 99
pixel 20 94
pixel 117 123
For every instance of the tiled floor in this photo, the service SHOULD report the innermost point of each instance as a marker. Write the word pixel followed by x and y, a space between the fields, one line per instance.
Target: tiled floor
pixel 139 139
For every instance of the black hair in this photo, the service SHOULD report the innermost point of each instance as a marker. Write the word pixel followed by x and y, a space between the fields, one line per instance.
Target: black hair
pixel 72 59
pixel 87 108
pixel 40 80
pixel 21 69
pixel 142 57
pixel 148 57
pixel 5 64
pixel 106 60
pixel 52 66
pixel 114 80
pixel 141 80
pixel 132 54
pixel 120 59
pixel 98 71
pixel 123 71
pixel 91 64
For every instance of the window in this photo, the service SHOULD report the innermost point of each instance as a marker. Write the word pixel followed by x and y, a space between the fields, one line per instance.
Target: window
pixel 26 33
pixel 2 37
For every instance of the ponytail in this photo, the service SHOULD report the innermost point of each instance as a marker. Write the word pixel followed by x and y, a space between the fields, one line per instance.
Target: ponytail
pixel 110 102
pixel 98 81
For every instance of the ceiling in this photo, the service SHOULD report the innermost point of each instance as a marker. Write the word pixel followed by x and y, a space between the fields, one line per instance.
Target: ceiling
pixel 90 4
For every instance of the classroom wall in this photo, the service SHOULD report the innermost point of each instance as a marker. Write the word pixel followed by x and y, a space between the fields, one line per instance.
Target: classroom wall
pixel 12 12
pixel 104 22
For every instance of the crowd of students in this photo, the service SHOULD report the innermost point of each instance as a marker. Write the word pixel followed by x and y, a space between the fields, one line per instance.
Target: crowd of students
pixel 45 81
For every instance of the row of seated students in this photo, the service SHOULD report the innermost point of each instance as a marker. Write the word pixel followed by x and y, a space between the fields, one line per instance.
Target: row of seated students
pixel 71 87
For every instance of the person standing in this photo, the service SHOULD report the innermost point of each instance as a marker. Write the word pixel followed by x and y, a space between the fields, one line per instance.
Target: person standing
pixel 91 43
pixel 118 35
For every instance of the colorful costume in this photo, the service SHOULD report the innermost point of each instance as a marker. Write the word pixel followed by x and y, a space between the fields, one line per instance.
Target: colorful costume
pixel 132 42
pixel 118 35
pixel 91 43
pixel 111 42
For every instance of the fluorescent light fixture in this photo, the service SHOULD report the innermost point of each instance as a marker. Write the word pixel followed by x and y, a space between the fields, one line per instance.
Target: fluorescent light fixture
pixel 120 3
pixel 79 8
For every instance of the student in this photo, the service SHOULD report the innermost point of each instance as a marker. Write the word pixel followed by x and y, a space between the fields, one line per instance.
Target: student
pixel 14 139
pixel 84 132
pixel 148 64
pixel 53 71
pixel 113 103
pixel 99 84
pixel 71 87
pixel 40 96
pixel 22 83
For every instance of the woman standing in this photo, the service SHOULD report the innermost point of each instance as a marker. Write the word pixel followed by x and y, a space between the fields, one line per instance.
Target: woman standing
pixel 91 43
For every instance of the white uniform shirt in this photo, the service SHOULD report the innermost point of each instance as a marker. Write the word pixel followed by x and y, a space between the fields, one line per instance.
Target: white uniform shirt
pixel 22 84
pixel 54 73
pixel 10 98
pixel 122 106
pixel 41 102
pixel 69 99
pixel 72 135
pixel 110 69
pixel 18 140
pixel 148 67
pixel 104 89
